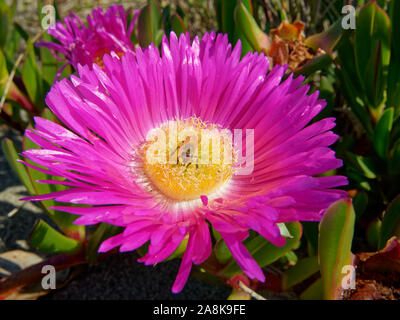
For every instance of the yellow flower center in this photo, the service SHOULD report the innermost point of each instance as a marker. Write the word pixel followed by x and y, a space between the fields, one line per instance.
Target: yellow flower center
pixel 187 159
pixel 98 59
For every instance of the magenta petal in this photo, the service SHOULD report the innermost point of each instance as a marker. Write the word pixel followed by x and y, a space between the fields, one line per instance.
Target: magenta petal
pixel 105 32
pixel 243 258
pixel 185 267
pixel 111 243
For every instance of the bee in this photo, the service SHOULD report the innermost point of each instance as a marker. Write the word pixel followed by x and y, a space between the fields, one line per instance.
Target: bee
pixel 186 153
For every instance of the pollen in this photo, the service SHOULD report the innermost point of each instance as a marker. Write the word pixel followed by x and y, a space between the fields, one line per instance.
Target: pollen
pixel 187 159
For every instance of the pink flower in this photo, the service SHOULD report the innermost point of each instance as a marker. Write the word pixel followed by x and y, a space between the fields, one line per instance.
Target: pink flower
pixel 105 32
pixel 103 153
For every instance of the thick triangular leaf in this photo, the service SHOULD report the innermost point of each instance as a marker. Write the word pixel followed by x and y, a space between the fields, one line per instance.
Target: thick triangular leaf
pixel 334 251
pixel 48 240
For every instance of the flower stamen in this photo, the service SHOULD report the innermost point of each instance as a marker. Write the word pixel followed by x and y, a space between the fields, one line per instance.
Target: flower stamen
pixel 187 159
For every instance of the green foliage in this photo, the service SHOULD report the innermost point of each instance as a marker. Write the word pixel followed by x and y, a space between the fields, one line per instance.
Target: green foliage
pixel 48 240
pixel 20 170
pixel 367 71
pixel 303 269
pixel 149 24
pixel 393 90
pixel 155 21
pixel 314 291
pixel 102 232
pixel 373 233
pixel 390 224
pixel 247 30
pixel 334 247
pixel 32 77
pixel 231 14
pixel 6 16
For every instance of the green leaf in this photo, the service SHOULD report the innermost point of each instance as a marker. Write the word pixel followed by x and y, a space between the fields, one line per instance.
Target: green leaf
pixel 352 93
pixel 238 34
pixel 393 90
pixel 49 240
pixel 130 17
pixel 222 252
pixel 158 37
pixel 395 133
pixel 13 43
pixel 326 92
pixel 382 133
pixel 50 65
pixel 145 32
pixel 335 238
pixel 314 291
pixel 248 27
pixel 227 25
pixel 310 229
pixel 326 40
pixel 225 10
pixel 290 257
pixel 372 51
pixel 149 23
pixel 303 269
pixel 316 64
pixel 359 179
pixel 21 31
pixel 360 203
pixel 373 233
pixel 4 75
pixel 218 13
pixel 32 77
pixel 217 236
pixel 203 275
pixel 178 253
pixel 177 24
pixel 365 165
pixel 14 95
pixel 20 170
pixel 102 232
pixel 347 63
pixel 5 21
pixel 394 161
pixel 390 223
pixel 264 252
pixel 284 230
pixel 155 14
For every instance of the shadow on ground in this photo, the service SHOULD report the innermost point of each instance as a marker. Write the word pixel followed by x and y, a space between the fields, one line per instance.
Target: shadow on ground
pixel 120 277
